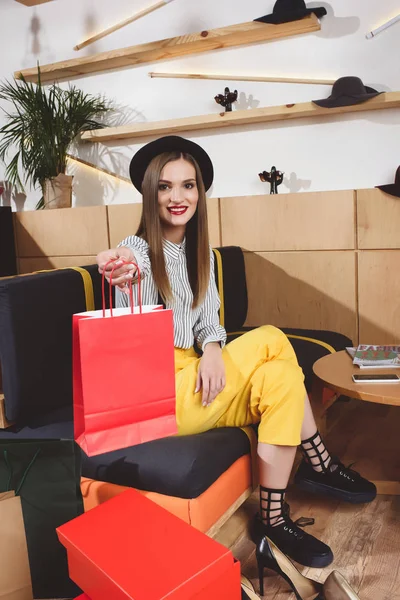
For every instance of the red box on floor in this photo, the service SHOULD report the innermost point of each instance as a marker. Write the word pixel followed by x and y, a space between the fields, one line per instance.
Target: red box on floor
pixel 129 548
pixel 82 597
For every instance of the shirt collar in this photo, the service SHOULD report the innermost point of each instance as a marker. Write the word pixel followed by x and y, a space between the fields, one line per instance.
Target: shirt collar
pixel 174 250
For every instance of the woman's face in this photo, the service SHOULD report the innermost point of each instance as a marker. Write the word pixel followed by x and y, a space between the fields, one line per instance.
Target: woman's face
pixel 177 193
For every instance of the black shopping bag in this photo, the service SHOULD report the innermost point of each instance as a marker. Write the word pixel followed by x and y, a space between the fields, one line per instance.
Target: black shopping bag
pixel 47 476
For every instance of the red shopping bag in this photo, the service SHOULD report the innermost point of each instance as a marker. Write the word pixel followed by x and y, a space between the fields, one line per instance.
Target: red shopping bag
pixel 129 548
pixel 123 376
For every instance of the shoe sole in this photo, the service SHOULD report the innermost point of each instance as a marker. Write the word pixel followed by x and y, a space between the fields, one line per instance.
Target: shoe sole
pixel 318 561
pixel 325 490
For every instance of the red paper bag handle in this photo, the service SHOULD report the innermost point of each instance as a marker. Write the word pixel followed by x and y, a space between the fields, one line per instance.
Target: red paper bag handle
pixel 129 284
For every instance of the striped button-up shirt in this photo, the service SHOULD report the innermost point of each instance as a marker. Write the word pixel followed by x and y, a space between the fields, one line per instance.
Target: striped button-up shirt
pixel 201 324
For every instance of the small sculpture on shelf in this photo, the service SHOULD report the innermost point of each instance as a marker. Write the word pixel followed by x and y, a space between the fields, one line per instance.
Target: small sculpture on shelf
pixel 226 99
pixel 275 178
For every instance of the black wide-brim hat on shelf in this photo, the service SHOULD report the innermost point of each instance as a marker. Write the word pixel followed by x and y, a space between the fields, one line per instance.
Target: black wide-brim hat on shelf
pixel 347 91
pixel 392 188
pixel 170 143
pixel 285 11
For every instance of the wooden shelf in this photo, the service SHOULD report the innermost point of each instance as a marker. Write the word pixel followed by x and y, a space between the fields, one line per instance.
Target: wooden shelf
pixel 241 117
pixel 214 39
pixel 32 2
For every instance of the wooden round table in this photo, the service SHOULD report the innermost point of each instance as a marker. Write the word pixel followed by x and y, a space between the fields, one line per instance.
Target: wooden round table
pixel 335 371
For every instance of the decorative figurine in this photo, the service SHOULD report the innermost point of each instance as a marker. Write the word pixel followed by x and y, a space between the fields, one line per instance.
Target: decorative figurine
pixel 275 178
pixel 226 99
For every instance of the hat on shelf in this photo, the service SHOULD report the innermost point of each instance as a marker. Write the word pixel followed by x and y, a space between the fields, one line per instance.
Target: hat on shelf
pixel 347 91
pixel 170 143
pixel 285 11
pixel 392 188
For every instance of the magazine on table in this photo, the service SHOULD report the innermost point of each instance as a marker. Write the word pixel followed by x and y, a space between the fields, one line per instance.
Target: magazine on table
pixel 374 357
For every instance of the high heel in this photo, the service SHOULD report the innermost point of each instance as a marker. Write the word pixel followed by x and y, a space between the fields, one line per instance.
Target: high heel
pixel 248 592
pixel 270 557
pixel 337 588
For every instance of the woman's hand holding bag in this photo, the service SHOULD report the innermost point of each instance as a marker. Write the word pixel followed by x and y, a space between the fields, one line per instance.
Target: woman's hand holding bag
pixel 117 261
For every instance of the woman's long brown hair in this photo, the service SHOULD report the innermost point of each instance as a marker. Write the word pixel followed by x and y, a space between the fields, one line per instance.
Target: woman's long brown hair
pixel 197 242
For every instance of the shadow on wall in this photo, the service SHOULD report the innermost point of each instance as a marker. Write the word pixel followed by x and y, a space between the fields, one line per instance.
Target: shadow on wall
pixel 277 298
pixel 36 43
pixel 91 188
pixel 244 102
pixel 335 27
pixel 10 195
pixel 90 28
pixel 294 184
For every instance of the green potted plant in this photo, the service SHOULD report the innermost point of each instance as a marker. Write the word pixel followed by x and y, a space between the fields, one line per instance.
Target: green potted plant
pixel 40 131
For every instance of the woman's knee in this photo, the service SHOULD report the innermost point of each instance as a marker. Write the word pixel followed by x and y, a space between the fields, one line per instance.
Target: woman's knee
pixel 286 376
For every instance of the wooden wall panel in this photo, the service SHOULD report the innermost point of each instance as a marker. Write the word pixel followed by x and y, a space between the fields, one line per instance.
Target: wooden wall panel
pixel 378 220
pixel 61 232
pixel 124 220
pixel 44 263
pixel 311 221
pixel 214 221
pixel 379 296
pixel 302 272
pixel 311 290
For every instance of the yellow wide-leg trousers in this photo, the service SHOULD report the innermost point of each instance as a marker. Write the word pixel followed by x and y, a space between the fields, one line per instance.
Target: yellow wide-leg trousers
pixel 264 384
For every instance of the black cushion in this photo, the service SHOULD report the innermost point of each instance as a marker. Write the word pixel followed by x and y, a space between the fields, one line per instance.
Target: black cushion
pixel 8 260
pixel 176 466
pixel 234 286
pixel 36 339
pixel 183 466
pixel 309 350
pixel 54 424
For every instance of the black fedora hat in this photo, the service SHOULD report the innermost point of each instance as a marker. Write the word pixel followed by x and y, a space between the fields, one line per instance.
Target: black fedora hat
pixel 347 91
pixel 392 188
pixel 170 143
pixel 285 11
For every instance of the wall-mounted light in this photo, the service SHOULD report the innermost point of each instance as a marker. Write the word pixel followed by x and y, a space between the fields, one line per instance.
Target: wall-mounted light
pixel 96 168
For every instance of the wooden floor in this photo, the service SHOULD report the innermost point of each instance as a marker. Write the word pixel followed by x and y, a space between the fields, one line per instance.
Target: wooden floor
pixel 365 539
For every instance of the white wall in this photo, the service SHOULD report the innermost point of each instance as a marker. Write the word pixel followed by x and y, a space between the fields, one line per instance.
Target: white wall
pixel 339 153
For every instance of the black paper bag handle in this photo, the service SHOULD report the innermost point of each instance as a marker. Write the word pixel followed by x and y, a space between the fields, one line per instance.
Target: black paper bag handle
pixel 25 474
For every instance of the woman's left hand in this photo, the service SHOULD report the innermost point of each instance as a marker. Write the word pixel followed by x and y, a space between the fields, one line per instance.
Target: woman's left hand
pixel 211 373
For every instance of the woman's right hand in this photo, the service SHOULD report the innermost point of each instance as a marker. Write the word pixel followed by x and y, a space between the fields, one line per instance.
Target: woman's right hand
pixel 124 272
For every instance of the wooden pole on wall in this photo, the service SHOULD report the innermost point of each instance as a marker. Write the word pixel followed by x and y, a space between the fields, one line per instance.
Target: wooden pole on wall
pixel 261 78
pixel 121 24
pixel 386 25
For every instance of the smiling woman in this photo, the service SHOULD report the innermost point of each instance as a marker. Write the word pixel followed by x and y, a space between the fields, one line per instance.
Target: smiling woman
pixel 253 379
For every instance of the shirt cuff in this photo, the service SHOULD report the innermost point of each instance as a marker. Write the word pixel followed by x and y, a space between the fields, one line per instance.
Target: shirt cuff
pixel 212 338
